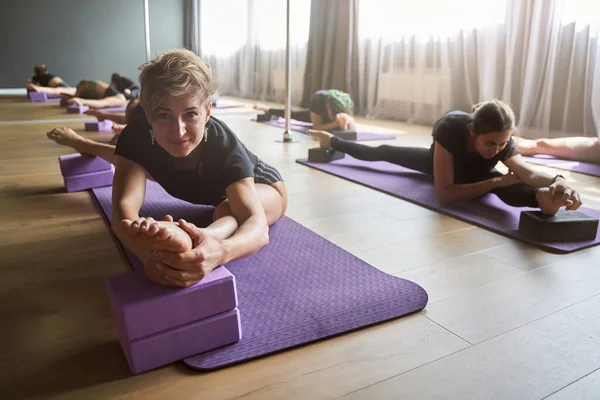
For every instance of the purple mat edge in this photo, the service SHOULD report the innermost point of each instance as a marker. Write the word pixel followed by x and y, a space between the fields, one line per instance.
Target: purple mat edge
pixel 132 259
pixel 583 167
pixel 541 245
pixel 299 345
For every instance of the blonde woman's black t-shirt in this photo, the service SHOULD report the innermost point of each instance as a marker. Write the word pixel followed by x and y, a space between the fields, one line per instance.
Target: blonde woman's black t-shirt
pixel 451 131
pixel 225 160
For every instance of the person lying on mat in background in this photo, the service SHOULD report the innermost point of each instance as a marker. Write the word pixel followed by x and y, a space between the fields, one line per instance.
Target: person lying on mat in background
pixel 133 110
pixel 462 159
pixel 43 81
pixel 329 110
pixel 568 148
pixel 125 86
pixel 196 158
pixel 96 94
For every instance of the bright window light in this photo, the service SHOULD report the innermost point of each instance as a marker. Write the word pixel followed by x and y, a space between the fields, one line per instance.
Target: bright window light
pixel 269 19
pixel 581 12
pixel 226 26
pixel 223 26
pixel 391 19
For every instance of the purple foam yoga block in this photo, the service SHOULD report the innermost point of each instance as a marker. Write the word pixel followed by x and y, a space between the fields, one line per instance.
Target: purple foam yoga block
pixel 76 164
pixel 183 341
pixel 75 109
pixel 98 126
pixel 38 97
pixel 142 307
pixel 91 180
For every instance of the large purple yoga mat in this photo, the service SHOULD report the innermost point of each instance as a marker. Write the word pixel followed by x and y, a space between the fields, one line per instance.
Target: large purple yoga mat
pixel 582 167
pixel 488 212
pixel 297 290
pixel 303 127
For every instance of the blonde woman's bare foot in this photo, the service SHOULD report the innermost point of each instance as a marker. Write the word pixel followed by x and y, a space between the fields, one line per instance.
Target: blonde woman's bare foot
pixel 323 137
pixel 157 235
pixel 118 128
pixel 261 107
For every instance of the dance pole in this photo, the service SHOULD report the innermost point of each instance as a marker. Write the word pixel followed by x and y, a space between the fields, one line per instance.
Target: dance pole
pixel 147 29
pixel 287 134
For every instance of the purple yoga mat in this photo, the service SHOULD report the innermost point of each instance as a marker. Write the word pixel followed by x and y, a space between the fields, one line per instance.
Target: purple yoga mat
pixel 488 212
pixel 303 127
pixel 582 167
pixel 297 290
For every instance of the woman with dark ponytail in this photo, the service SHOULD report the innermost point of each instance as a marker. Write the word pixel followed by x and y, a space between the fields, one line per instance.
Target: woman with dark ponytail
pixel 329 110
pixel 466 148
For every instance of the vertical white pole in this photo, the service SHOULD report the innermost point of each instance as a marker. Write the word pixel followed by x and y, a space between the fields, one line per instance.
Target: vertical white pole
pixel 287 135
pixel 147 29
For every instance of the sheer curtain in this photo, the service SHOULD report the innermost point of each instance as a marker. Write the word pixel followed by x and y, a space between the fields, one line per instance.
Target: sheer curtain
pixel 423 58
pixel 244 41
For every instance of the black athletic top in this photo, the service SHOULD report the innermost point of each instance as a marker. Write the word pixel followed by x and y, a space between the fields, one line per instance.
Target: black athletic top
pixel 225 160
pixel 43 80
pixel 110 91
pixel 452 132
pixel 138 113
pixel 318 105
pixel 123 83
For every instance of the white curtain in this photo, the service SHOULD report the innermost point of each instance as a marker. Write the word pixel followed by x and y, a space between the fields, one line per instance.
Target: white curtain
pixel 421 59
pixel 244 41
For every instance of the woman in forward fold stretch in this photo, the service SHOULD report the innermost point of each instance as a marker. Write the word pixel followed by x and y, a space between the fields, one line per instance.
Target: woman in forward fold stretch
pixel 329 110
pixel 463 157
pixel 133 110
pixel 68 137
pixel 125 85
pixel 197 158
pixel 43 81
pixel 569 148
pixel 96 94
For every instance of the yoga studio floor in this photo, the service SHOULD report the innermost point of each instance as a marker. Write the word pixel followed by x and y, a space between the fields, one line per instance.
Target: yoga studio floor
pixel 504 321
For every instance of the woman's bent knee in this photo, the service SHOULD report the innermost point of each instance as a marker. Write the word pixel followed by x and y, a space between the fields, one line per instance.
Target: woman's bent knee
pixel 222 210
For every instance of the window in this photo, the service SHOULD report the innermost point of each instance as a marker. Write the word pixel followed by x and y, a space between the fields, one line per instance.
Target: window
pixel 389 19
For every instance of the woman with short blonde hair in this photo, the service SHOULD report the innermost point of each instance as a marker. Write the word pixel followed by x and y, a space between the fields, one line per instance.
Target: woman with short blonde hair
pixel 197 158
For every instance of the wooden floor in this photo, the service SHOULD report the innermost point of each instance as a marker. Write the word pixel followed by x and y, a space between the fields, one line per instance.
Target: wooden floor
pixel 505 321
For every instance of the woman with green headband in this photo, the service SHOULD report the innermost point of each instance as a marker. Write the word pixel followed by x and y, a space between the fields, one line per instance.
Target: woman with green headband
pixel 329 110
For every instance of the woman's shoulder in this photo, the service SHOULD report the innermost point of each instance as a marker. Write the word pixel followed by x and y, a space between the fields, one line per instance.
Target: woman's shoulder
pixel 454 119
pixel 218 128
pixel 455 115
pixel 135 130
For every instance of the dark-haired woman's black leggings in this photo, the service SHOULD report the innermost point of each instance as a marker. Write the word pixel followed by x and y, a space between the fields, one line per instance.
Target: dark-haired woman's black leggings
pixel 298 115
pixel 421 159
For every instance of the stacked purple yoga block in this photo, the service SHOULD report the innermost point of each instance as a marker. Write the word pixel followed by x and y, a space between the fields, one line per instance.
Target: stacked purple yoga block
pixel 83 172
pixel 99 126
pixel 158 325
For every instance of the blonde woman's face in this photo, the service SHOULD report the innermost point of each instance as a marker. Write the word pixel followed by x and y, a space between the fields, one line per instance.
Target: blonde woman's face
pixel 178 124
